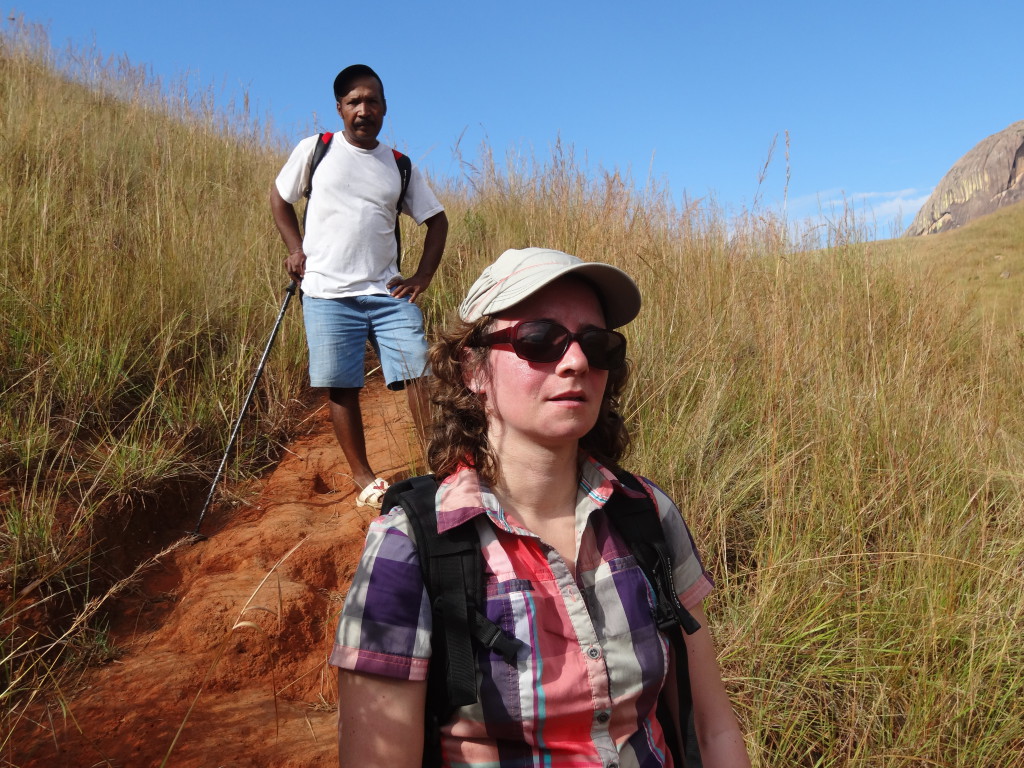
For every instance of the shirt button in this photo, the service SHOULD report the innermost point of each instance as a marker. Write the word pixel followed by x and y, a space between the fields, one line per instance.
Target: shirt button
pixel 595 653
pixel 613 764
pixel 603 716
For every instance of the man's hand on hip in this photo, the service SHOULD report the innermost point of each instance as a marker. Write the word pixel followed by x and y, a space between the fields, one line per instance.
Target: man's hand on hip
pixel 408 287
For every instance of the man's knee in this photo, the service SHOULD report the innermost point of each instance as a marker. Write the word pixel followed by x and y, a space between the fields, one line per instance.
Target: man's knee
pixel 346 397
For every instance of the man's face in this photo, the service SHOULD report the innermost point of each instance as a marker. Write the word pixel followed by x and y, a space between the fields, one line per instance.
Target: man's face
pixel 362 110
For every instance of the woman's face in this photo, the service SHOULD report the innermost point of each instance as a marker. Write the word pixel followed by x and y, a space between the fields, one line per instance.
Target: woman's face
pixel 551 404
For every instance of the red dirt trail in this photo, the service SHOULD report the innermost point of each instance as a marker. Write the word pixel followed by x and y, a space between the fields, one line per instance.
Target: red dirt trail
pixel 276 570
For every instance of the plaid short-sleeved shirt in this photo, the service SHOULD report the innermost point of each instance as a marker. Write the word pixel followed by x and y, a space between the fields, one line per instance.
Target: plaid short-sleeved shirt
pixel 584 689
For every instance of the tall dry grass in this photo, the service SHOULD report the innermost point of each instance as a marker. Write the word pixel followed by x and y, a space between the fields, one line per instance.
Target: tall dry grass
pixel 841 428
pixel 846 437
pixel 843 431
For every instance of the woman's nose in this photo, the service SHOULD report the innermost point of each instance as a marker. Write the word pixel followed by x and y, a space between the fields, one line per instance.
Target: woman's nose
pixel 574 359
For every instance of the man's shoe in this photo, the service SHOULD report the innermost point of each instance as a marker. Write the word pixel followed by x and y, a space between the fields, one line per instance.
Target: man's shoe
pixel 373 494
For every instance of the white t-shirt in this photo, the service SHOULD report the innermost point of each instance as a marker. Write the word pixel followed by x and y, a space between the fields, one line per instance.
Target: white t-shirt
pixel 349 240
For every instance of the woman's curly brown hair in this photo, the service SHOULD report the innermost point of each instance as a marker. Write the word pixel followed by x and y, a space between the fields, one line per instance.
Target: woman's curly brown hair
pixel 459 431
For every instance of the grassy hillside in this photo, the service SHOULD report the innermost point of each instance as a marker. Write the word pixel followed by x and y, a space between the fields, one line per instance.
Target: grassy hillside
pixel 139 277
pixel 843 430
pixel 984 258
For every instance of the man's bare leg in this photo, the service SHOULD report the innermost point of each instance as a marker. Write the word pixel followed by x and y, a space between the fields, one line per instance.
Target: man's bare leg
pixel 348 428
pixel 418 391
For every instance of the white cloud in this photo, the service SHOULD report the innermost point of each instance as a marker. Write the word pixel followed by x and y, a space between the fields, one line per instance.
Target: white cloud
pixel 885 214
pixel 903 207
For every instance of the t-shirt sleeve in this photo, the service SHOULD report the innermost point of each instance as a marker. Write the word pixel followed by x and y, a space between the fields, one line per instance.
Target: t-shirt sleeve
pixel 385 624
pixel 420 201
pixel 294 176
pixel 693 583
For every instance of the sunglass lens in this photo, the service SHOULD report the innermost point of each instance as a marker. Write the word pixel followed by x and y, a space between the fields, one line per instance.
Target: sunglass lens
pixel 604 349
pixel 540 342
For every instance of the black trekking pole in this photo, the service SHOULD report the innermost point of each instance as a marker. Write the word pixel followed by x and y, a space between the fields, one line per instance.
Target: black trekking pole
pixel 289 292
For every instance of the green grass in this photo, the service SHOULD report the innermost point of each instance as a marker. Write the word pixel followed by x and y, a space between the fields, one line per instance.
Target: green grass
pixel 843 429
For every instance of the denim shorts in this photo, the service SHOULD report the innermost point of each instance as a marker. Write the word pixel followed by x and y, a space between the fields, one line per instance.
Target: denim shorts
pixel 337 331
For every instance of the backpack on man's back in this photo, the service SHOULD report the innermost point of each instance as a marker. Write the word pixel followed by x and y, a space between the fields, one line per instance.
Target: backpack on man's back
pixel 323 142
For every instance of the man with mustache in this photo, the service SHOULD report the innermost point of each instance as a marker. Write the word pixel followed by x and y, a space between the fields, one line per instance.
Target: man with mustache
pixel 347 263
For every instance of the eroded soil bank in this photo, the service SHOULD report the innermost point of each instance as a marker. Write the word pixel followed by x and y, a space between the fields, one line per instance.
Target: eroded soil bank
pixel 218 626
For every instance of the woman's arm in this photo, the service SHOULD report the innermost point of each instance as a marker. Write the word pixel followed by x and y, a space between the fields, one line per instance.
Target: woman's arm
pixel 380 721
pixel 718 732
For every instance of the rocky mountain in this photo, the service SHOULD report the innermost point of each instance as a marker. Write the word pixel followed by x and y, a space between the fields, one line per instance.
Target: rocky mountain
pixel 988 177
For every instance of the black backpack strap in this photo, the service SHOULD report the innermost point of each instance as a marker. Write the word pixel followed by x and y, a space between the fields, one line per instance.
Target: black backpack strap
pixel 453 576
pixel 405 171
pixel 323 141
pixel 637 521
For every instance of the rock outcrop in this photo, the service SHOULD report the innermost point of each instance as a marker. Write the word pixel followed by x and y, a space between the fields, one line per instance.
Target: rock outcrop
pixel 988 177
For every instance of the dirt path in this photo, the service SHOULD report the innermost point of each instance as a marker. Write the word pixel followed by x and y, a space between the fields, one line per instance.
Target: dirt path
pixel 250 610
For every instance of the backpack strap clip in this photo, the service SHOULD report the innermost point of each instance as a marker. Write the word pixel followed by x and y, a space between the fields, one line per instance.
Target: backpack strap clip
pixel 670 612
pixel 493 638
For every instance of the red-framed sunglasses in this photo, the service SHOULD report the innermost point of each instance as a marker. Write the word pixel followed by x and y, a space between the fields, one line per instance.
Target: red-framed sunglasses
pixel 544 341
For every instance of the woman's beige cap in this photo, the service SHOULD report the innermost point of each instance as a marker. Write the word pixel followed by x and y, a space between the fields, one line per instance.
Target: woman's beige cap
pixel 518 274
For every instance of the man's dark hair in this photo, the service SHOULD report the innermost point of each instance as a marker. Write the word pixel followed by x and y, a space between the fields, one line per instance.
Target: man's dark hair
pixel 343 82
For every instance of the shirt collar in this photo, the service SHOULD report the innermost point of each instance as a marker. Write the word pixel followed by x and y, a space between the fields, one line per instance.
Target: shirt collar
pixel 463 496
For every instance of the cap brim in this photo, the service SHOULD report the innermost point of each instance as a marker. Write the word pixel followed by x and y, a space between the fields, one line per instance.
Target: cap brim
pixel 620 298
pixel 517 275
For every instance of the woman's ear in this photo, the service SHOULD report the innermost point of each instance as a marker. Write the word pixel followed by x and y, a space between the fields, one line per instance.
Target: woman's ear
pixel 473 373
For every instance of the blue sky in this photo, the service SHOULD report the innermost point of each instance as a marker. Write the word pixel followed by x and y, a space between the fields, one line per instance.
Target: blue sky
pixel 879 98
